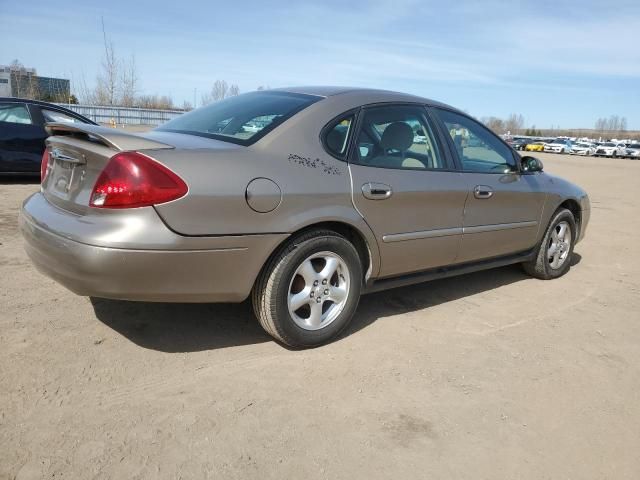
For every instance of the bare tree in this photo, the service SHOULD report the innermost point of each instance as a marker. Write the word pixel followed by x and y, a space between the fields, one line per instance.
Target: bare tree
pixel 86 95
pixel 220 91
pixel 494 123
pixel 514 123
pixel 128 83
pixel 107 81
pixel 23 81
pixel 154 101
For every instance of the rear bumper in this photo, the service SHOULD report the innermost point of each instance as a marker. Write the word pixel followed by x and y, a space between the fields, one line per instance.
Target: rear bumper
pixel 175 269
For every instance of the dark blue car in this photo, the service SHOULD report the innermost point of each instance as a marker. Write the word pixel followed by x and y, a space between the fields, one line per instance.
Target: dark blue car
pixel 22 133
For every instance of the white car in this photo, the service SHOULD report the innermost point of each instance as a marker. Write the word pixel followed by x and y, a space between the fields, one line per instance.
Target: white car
pixel 559 145
pixel 633 152
pixel 611 149
pixel 251 128
pixel 583 148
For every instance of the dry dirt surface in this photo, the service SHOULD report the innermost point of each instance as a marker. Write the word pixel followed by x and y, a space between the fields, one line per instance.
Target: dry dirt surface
pixel 489 376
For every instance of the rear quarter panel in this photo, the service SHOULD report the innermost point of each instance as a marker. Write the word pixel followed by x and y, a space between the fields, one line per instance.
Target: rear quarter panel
pixel 315 187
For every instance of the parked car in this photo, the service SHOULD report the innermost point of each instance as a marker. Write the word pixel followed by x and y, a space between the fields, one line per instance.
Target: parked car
pixel 611 149
pixel 329 200
pixel 535 147
pixel 519 143
pixel 559 145
pixel 22 132
pixel 633 151
pixel 251 128
pixel 583 148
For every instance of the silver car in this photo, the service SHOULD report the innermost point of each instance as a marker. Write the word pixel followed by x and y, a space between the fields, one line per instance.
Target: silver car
pixel 330 198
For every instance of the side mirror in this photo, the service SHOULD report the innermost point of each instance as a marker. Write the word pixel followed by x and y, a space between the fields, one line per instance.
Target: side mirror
pixel 531 164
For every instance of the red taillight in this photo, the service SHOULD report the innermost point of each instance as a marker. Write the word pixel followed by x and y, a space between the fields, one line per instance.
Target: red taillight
pixel 44 165
pixel 132 179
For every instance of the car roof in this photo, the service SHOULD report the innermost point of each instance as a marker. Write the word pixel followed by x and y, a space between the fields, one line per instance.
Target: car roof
pixel 371 94
pixel 29 100
pixel 45 104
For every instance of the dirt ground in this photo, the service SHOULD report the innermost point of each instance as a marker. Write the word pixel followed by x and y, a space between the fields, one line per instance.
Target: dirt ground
pixel 489 376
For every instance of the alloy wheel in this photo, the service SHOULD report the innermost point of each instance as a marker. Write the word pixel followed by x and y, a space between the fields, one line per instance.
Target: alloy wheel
pixel 319 290
pixel 559 245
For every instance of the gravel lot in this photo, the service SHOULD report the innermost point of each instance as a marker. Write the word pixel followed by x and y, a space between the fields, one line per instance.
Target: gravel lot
pixel 492 375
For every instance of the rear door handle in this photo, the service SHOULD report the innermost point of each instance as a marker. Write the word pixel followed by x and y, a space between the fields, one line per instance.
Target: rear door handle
pixel 376 191
pixel 482 192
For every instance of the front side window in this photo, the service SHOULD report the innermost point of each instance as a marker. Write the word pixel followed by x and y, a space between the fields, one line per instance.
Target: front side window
pixel 397 136
pixel 242 119
pixel 55 116
pixel 478 149
pixel 14 113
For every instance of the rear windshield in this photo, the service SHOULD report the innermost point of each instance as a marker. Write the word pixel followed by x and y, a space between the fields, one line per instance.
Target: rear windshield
pixel 242 119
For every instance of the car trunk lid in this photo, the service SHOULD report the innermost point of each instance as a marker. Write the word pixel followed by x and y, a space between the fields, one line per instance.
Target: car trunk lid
pixel 77 156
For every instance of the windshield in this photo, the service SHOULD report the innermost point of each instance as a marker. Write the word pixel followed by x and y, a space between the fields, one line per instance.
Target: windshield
pixel 560 140
pixel 609 144
pixel 242 119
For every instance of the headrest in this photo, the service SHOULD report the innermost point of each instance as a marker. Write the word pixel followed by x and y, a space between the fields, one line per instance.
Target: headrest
pixel 397 136
pixel 335 141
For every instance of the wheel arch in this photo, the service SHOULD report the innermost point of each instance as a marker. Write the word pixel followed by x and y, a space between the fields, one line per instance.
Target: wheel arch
pixel 364 243
pixel 574 207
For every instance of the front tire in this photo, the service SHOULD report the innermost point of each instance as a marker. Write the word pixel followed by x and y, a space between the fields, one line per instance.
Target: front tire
pixel 309 290
pixel 553 253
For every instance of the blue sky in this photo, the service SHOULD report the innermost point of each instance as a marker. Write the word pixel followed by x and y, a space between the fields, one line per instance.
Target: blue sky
pixel 562 63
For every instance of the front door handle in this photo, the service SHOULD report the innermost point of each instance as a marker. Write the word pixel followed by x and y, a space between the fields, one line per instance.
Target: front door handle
pixel 376 191
pixel 482 192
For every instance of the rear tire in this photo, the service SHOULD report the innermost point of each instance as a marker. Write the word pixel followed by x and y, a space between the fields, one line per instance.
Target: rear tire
pixel 554 252
pixel 309 290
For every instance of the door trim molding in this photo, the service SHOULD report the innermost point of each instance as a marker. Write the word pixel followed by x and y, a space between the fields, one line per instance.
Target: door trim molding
pixel 447 232
pixel 498 226
pixel 441 232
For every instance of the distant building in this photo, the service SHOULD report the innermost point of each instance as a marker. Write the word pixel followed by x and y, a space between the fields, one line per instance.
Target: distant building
pixel 18 81
pixel 5 82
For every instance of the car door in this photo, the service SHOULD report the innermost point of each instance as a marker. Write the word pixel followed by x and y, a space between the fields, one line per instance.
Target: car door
pixel 504 205
pixel 21 139
pixel 405 186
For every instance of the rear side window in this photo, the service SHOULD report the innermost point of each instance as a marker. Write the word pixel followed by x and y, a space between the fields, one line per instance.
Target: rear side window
pixel 397 136
pixel 336 137
pixel 55 116
pixel 242 119
pixel 14 113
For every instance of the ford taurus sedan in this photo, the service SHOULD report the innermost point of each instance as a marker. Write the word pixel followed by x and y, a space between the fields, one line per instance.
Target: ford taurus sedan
pixel 330 198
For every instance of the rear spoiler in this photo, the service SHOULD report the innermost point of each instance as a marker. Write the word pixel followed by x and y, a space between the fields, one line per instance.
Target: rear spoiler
pixel 110 137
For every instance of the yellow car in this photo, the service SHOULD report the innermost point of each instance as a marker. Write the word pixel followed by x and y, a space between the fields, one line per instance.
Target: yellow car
pixel 535 147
